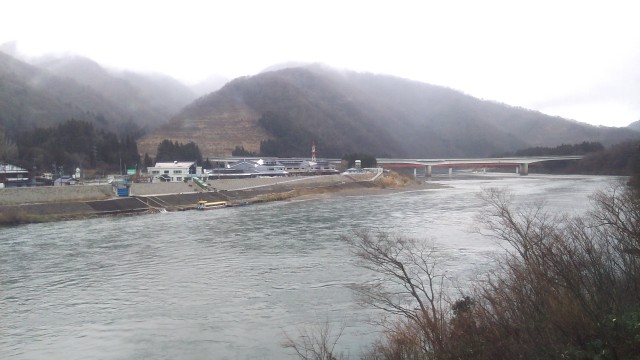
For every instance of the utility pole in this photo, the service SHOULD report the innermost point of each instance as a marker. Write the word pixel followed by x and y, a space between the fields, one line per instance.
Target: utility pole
pixel 313 151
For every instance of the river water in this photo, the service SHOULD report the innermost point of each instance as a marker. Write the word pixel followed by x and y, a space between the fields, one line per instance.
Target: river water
pixel 231 283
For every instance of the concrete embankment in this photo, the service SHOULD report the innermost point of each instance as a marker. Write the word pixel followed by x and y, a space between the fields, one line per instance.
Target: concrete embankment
pixel 23 205
pixel 48 194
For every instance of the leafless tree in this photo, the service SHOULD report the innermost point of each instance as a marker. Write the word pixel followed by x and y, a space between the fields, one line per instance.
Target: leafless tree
pixel 568 279
pixel 410 284
pixel 315 343
pixel 566 286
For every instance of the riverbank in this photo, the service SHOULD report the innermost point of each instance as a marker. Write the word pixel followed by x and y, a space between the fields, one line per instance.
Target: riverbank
pixel 148 198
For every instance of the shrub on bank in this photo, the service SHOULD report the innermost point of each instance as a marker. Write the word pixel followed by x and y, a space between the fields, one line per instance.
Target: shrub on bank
pixel 394 180
pixel 566 287
pixel 19 217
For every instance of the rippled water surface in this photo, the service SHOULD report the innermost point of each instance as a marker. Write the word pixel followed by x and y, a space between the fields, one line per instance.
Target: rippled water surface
pixel 229 283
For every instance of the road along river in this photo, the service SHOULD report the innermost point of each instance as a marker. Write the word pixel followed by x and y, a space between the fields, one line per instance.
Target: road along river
pixel 229 283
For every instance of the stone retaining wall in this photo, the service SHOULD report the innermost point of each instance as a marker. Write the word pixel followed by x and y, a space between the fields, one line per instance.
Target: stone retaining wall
pixel 45 194
pixel 293 181
pixel 64 202
pixel 145 189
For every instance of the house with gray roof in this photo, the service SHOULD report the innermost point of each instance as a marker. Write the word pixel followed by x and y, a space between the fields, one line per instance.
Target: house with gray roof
pixel 174 171
pixel 261 167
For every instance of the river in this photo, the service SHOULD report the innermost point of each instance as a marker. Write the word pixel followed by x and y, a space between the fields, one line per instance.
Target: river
pixel 231 283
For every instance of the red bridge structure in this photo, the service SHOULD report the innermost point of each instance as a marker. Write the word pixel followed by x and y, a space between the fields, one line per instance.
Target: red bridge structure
pixel 520 163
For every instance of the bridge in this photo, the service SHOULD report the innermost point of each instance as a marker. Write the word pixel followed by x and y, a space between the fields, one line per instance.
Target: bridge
pixel 521 163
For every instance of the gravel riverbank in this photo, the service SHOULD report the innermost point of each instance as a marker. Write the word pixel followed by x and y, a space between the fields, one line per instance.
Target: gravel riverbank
pixel 183 196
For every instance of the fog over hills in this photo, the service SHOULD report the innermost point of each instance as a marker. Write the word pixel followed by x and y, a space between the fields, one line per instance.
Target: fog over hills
pixel 51 90
pixel 634 125
pixel 150 99
pixel 209 85
pixel 280 112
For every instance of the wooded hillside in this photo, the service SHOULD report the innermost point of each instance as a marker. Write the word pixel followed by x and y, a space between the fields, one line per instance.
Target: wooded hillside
pixel 279 113
pixel 55 90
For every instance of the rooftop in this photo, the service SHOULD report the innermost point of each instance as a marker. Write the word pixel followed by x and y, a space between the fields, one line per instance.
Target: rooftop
pixel 8 168
pixel 175 164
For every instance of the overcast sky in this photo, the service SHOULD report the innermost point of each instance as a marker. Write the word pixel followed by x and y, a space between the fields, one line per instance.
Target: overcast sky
pixel 575 59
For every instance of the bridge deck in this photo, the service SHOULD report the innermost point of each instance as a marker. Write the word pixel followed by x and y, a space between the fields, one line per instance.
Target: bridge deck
pixel 477 162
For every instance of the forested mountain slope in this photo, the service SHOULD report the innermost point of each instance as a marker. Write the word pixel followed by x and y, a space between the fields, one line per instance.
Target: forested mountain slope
pixel 279 113
pixel 56 90
pixel 150 99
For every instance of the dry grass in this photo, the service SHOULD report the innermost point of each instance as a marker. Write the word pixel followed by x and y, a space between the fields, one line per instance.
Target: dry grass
pixel 394 180
pixel 231 128
pixel 13 218
pixel 21 217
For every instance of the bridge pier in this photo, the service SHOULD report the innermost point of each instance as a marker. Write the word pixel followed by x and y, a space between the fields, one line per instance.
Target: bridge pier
pixel 521 164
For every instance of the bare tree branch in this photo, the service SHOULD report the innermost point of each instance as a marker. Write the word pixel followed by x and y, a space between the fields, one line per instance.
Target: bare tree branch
pixel 410 283
pixel 315 343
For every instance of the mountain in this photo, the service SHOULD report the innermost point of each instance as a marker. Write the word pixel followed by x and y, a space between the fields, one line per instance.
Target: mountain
pixel 30 97
pixel 634 125
pixel 283 111
pixel 209 85
pixel 149 99
pixel 53 90
pixel 10 48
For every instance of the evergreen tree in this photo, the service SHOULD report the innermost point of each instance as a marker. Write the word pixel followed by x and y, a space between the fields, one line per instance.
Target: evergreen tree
pixel 240 151
pixel 8 149
pixel 367 160
pixel 148 162
pixel 74 144
pixel 173 151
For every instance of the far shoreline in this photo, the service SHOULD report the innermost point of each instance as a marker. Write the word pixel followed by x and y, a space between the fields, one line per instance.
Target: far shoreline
pixel 302 189
pixel 99 206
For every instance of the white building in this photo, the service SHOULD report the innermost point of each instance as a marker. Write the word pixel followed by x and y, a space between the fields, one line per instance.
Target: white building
pixel 12 175
pixel 268 167
pixel 174 171
pixel 306 167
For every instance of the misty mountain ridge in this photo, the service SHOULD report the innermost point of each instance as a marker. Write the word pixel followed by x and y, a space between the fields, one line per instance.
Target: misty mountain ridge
pixel 51 90
pixel 289 65
pixel 634 125
pixel 209 85
pixel 280 112
pixel 152 98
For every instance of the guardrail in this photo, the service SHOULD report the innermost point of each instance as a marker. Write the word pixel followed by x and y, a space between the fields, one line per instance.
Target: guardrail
pixel 200 183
